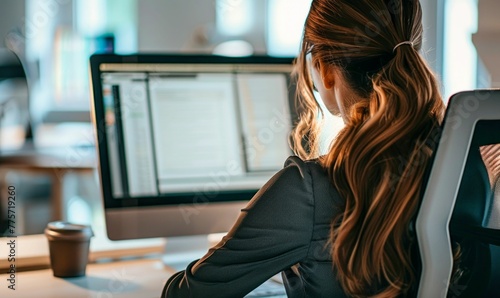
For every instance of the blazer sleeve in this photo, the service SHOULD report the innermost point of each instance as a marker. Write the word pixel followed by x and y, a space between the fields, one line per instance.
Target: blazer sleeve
pixel 272 233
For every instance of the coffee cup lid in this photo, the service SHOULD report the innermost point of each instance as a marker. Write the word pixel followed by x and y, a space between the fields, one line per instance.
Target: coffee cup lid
pixel 68 231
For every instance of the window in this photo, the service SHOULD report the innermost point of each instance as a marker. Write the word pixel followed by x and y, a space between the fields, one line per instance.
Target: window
pixel 284 34
pixel 460 56
pixel 284 31
pixel 60 37
pixel 234 17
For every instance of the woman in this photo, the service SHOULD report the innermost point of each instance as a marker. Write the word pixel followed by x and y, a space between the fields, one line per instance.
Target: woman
pixel 340 224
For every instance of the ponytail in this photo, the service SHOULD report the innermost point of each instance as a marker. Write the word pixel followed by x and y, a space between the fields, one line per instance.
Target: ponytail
pixel 377 164
pixel 378 159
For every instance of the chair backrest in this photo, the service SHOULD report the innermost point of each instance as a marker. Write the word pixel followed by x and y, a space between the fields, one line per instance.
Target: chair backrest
pixel 14 92
pixel 10 65
pixel 10 69
pixel 458 200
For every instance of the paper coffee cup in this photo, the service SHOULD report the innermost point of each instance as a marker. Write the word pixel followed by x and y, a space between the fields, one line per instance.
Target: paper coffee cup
pixel 69 248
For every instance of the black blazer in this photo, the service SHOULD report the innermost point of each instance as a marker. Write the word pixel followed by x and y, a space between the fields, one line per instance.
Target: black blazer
pixel 284 228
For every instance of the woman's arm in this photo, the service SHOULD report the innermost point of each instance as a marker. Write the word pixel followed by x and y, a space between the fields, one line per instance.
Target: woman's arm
pixel 271 234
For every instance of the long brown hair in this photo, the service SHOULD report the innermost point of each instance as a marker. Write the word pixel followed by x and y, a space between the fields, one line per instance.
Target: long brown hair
pixel 377 162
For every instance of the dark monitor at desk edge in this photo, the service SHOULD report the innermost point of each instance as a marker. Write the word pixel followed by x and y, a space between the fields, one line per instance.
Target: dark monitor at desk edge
pixel 185 141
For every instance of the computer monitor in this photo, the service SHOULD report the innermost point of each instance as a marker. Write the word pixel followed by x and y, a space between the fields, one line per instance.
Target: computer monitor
pixel 185 141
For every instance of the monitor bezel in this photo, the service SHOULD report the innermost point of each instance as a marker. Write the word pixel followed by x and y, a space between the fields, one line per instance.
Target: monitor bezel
pixel 98 116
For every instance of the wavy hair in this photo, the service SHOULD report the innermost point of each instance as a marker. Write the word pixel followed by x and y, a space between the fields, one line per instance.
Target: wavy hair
pixel 377 161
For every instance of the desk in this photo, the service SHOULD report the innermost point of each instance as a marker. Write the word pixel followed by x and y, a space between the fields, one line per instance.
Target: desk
pixel 143 276
pixel 55 164
pixel 132 278
pixel 139 277
pixel 32 251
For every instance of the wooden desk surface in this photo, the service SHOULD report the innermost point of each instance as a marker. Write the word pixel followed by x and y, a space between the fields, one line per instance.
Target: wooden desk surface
pixel 53 163
pixel 75 159
pixel 131 278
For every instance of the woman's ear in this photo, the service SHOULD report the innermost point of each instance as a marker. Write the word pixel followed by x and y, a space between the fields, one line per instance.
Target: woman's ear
pixel 327 73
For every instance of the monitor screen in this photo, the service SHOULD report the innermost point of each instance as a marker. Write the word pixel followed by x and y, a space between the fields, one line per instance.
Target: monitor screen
pixel 179 132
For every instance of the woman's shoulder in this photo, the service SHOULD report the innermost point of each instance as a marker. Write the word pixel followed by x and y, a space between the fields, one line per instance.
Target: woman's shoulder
pixel 310 168
pixel 303 164
pixel 294 181
pixel 315 174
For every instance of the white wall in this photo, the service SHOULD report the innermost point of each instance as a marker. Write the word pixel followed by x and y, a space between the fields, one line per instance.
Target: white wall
pixel 180 25
pixel 156 32
pixel 169 25
pixel 11 16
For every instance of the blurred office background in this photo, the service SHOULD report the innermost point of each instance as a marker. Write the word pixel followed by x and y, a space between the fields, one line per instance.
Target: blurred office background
pixel 54 39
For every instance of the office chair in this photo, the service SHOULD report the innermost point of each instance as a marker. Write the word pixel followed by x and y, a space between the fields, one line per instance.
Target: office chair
pixel 14 89
pixel 459 204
